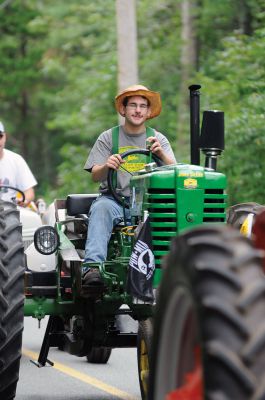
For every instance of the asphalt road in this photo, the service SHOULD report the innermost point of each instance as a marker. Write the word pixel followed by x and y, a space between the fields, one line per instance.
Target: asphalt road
pixel 72 377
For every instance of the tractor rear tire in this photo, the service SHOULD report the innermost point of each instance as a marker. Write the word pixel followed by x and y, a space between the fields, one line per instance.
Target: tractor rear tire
pixel 99 355
pixel 212 303
pixel 12 267
pixel 144 342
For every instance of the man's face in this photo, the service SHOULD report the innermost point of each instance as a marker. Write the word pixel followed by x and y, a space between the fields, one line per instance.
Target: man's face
pixel 136 111
pixel 2 142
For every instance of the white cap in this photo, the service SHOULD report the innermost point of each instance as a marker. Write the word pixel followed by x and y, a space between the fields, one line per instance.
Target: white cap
pixel 2 129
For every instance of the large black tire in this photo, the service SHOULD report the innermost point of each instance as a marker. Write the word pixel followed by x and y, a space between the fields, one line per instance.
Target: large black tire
pixel 212 298
pixel 99 355
pixel 12 266
pixel 237 214
pixel 144 342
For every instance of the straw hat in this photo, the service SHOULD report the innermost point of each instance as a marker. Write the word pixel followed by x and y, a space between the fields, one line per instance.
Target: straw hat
pixel 139 90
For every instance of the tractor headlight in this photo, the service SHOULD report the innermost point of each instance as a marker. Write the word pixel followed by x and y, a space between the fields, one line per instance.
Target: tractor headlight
pixel 46 240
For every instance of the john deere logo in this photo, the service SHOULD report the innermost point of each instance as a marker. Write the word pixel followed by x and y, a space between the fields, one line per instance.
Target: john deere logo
pixel 190 183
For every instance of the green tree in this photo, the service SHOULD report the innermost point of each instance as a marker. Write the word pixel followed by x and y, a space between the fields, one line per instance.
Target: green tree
pixel 22 33
pixel 236 82
pixel 59 77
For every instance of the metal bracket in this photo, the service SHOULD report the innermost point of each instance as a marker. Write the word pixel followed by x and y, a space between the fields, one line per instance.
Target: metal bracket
pixel 46 344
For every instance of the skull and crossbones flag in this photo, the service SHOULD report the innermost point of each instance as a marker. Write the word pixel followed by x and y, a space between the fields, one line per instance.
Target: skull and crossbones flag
pixel 142 266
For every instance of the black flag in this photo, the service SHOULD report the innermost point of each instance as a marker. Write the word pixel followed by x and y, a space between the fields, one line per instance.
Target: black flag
pixel 142 266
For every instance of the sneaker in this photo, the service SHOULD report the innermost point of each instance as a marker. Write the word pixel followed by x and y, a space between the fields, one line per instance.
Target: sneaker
pixel 92 283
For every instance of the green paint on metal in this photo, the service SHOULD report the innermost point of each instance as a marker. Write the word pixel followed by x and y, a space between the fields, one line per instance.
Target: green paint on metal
pixel 178 198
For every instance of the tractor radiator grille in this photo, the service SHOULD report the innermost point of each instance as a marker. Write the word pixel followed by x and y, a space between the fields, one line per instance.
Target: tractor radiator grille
pixel 214 205
pixel 163 216
pixel 163 219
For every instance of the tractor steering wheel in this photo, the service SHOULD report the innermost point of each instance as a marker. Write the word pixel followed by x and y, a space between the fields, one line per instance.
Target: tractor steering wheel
pixel 110 176
pixel 16 189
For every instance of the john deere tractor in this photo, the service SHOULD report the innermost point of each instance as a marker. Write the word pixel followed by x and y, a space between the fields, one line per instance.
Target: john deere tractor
pixel 208 334
pixel 176 198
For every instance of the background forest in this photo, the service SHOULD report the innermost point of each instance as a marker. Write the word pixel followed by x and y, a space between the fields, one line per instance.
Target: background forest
pixel 58 79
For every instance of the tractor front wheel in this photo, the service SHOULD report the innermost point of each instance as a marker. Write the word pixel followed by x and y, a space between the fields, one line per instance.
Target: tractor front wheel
pixel 144 341
pixel 99 355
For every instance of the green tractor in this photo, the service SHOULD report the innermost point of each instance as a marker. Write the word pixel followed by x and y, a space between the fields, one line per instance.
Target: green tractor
pixel 176 198
pixel 208 332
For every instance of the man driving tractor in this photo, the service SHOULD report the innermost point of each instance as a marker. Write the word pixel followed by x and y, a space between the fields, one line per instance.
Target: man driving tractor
pixel 136 104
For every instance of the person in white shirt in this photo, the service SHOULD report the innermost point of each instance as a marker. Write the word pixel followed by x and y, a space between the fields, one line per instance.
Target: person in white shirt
pixel 15 172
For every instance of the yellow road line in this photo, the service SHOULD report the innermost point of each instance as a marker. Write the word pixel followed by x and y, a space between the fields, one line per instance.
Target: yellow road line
pixel 84 378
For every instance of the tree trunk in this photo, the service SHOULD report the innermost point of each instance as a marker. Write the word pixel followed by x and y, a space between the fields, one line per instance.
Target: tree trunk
pixel 126 43
pixel 188 64
pixel 24 107
pixel 245 17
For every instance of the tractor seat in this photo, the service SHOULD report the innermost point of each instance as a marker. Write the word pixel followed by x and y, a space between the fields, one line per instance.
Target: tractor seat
pixel 77 204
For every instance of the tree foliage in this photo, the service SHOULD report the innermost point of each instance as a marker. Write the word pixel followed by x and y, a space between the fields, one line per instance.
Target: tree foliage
pixel 58 79
pixel 236 80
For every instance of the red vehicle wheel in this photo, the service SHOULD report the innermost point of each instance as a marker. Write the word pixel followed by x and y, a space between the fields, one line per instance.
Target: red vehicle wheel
pixel 209 330
pixel 179 374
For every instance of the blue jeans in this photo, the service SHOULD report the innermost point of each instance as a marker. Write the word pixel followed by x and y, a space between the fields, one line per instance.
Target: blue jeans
pixel 104 214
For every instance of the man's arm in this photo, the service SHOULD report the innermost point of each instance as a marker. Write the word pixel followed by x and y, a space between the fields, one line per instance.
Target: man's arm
pixel 29 196
pixel 100 172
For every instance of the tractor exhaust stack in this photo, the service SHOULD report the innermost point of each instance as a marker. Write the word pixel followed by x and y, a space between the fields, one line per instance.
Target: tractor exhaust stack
pixel 212 137
pixel 194 124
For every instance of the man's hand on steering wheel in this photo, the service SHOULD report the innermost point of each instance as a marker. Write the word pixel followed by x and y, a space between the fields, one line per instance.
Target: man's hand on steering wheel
pixel 114 161
pixel 110 176
pixel 156 149
pixel 154 146
pixel 22 203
